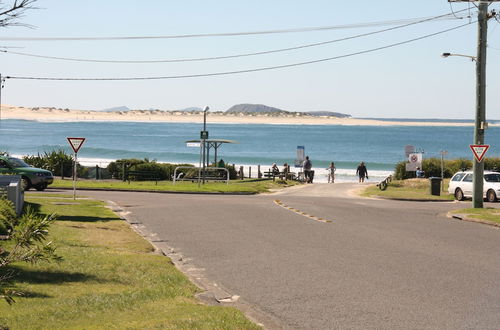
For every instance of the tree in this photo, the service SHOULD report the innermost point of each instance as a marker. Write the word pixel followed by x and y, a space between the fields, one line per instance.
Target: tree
pixel 28 242
pixel 13 10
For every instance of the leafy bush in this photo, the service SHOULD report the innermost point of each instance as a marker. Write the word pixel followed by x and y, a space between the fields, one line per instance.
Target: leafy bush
pixel 115 168
pixel 8 217
pixel 28 238
pixel 57 161
pixel 432 167
pixel 164 171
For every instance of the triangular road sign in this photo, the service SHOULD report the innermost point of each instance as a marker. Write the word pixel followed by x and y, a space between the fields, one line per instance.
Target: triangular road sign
pixel 479 150
pixel 75 143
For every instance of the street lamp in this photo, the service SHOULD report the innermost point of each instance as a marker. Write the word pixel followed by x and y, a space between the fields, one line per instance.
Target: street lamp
pixel 480 119
pixel 445 55
pixel 204 137
pixel 480 122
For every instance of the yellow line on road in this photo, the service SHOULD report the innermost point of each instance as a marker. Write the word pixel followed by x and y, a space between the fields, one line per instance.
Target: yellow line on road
pixel 299 212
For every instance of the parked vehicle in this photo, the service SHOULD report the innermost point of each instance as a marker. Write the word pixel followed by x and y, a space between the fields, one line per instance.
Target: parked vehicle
pixel 461 185
pixel 30 176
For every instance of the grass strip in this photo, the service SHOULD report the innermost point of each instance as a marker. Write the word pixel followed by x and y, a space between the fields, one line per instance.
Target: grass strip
pixel 411 189
pixel 488 214
pixel 110 277
pixel 235 186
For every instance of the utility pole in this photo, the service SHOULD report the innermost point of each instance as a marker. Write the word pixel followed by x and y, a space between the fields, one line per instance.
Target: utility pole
pixel 2 79
pixel 480 120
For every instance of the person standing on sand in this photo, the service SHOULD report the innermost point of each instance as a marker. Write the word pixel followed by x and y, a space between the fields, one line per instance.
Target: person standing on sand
pixel 307 165
pixel 362 172
pixel 331 172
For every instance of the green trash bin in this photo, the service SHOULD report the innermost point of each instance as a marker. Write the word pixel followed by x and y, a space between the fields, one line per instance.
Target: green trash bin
pixel 435 186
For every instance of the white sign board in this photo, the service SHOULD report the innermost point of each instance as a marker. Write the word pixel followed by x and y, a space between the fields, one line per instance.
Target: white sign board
pixel 193 144
pixel 414 161
pixel 76 143
pixel 479 150
pixel 300 156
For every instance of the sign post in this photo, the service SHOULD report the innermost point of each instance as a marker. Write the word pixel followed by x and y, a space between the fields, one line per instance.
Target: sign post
pixel 479 150
pixel 76 144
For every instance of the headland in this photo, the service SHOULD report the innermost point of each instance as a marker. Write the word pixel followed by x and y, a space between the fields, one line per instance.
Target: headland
pixel 58 114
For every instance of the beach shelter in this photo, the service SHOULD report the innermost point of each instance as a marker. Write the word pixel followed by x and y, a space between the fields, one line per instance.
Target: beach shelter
pixel 213 143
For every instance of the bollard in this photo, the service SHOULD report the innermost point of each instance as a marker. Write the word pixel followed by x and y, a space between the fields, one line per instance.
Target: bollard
pixel 97 172
pixel 259 173
pixel 249 172
pixel 242 176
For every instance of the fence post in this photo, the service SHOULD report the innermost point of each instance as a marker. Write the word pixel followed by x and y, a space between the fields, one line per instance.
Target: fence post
pixel 249 172
pixel 62 171
pixel 124 167
pixel 242 176
pixel 259 173
pixel 97 172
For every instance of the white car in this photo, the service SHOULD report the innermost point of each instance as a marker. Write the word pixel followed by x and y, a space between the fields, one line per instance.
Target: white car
pixel 461 185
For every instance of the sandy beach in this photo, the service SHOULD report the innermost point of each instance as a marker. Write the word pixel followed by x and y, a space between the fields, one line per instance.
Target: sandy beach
pixel 57 114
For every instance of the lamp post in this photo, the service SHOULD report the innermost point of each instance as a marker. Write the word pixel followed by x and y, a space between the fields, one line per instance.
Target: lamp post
pixel 480 118
pixel 204 136
pixel 445 55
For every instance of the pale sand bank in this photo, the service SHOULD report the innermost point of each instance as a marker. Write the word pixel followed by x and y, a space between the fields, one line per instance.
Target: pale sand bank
pixel 53 114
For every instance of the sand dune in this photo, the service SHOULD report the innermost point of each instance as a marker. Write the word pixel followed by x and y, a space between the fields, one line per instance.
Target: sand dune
pixel 53 114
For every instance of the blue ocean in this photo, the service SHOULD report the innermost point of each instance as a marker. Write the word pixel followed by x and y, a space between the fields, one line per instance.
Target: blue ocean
pixel 380 147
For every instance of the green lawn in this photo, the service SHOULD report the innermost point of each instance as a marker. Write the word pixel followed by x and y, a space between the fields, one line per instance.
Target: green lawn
pixel 488 214
pixel 408 189
pixel 234 186
pixel 109 278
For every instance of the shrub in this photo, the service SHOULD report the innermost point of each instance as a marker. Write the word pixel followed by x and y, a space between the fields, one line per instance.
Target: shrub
pixel 432 167
pixel 28 244
pixel 164 171
pixel 57 161
pixel 115 168
pixel 8 217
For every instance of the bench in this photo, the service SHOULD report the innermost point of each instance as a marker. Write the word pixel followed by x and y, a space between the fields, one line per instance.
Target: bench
pixel 281 175
pixel 382 185
pixel 211 174
pixel 143 176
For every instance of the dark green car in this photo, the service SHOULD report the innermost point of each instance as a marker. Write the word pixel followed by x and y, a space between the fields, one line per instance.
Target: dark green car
pixel 30 176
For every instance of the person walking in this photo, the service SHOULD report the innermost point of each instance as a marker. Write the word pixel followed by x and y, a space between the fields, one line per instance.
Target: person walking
pixel 306 166
pixel 331 172
pixel 362 172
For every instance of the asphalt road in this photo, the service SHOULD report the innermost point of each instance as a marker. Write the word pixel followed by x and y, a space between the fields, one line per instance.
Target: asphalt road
pixel 323 259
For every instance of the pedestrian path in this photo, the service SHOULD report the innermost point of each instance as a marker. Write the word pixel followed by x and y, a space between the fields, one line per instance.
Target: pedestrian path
pixel 339 190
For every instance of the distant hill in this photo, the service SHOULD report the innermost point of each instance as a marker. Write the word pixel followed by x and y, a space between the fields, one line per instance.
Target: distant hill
pixel 253 108
pixel 121 108
pixel 328 114
pixel 191 109
pixel 260 108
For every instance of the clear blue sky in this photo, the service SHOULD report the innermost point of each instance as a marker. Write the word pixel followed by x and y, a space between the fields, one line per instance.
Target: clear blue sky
pixel 408 81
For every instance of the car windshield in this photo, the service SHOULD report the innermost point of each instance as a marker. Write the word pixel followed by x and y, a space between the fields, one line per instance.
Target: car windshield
pixel 495 177
pixel 16 162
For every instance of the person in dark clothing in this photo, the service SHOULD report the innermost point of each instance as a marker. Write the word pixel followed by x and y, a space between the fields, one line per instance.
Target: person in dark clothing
pixel 307 165
pixel 362 172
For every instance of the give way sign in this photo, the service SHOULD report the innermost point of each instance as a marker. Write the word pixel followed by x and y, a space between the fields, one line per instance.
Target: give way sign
pixel 479 150
pixel 76 143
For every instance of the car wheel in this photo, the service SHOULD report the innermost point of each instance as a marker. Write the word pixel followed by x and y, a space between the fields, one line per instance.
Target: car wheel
pixel 459 194
pixel 491 196
pixel 41 187
pixel 25 183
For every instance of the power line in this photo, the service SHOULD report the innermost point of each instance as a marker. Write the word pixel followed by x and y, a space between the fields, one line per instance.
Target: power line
pixel 227 56
pixel 243 71
pixel 226 34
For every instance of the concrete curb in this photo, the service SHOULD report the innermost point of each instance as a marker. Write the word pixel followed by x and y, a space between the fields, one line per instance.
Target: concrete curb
pixel 411 199
pixel 157 191
pixel 463 217
pixel 212 293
